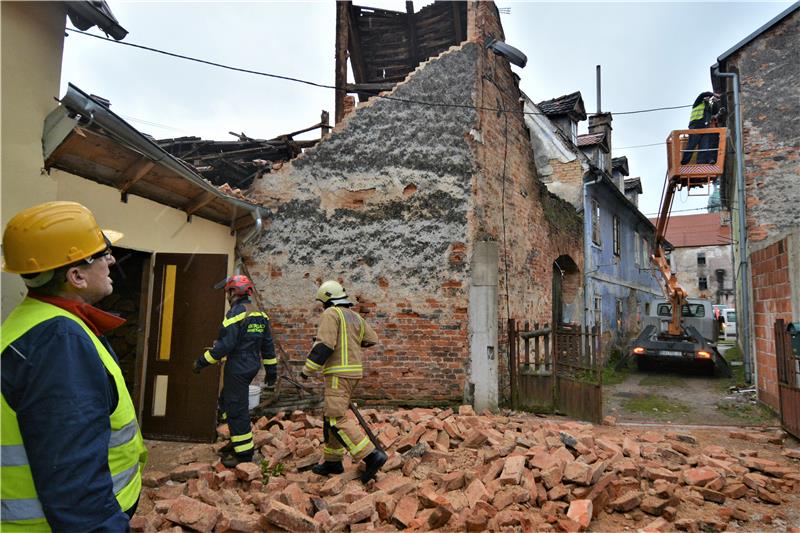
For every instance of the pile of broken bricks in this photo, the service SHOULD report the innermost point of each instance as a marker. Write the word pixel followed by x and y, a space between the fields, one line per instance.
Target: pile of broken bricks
pixel 461 471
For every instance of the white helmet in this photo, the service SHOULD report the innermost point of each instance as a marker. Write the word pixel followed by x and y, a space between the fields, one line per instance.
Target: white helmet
pixel 333 292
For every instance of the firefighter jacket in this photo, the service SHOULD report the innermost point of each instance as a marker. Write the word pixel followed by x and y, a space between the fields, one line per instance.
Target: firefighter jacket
pixel 245 336
pixel 72 452
pixel 341 334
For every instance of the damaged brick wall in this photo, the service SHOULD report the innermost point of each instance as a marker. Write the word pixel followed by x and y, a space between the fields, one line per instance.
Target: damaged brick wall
pixel 382 205
pixel 512 207
pixel 393 202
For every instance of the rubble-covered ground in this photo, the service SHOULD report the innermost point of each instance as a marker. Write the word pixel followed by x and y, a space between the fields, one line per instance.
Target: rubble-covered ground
pixel 451 471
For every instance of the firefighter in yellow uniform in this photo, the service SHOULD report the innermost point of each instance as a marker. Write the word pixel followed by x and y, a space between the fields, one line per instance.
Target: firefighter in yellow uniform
pixel 337 352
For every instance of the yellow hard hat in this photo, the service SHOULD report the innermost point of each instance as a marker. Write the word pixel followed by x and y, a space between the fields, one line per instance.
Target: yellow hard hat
pixel 332 290
pixel 51 235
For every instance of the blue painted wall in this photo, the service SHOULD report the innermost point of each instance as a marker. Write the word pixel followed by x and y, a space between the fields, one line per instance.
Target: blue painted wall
pixel 622 276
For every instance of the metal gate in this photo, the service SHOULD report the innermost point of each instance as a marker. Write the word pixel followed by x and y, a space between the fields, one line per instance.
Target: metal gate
pixel 556 370
pixel 788 380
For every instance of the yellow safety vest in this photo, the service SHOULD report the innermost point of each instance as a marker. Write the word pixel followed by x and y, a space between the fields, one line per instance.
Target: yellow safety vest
pixel 698 111
pixel 127 454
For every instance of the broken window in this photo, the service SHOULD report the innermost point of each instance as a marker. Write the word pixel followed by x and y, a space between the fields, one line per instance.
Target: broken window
pixel 596 223
pixel 616 235
pixel 702 283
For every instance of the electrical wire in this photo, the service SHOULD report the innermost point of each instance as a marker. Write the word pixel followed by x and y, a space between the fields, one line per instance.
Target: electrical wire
pixel 326 86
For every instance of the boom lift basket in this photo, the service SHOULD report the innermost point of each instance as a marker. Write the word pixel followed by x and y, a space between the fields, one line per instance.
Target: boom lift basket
pixel 693 174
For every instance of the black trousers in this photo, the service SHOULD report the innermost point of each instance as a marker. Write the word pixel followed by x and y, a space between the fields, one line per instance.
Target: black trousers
pixel 234 400
pixel 706 143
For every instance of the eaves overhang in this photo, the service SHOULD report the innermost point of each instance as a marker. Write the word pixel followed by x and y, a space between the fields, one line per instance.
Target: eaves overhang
pixel 608 184
pixel 83 137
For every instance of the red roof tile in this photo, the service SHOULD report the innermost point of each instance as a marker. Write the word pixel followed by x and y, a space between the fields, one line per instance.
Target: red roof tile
pixel 697 230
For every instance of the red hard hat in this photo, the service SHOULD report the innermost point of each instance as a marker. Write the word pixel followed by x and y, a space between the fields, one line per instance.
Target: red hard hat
pixel 239 285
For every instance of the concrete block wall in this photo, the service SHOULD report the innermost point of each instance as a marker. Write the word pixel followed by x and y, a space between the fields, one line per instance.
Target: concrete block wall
pixel 773 287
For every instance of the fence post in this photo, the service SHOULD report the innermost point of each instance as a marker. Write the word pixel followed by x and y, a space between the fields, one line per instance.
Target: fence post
pixel 512 360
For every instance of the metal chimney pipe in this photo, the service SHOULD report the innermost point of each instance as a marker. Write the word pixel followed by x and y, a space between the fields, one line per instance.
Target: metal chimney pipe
pixel 599 107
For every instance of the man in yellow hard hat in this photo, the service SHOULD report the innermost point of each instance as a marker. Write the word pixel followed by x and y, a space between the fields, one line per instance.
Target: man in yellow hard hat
pixel 341 335
pixel 72 454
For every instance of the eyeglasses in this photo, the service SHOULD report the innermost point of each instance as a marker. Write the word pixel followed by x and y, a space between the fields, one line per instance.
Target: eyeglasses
pixel 102 254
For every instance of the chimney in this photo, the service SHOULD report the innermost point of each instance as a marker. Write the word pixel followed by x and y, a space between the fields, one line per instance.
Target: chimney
pixel 601 123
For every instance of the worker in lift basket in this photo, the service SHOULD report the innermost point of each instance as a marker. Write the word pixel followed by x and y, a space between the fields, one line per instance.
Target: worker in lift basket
pixel 72 454
pixel 246 340
pixel 705 113
pixel 341 335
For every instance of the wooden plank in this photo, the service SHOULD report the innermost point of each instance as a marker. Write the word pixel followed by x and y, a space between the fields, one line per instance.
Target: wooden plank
pixel 340 74
pixel 369 87
pixel 354 47
pixel 412 35
pixel 134 173
pixel 199 201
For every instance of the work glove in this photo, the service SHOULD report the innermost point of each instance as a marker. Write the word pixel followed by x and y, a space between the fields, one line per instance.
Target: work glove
pixel 196 368
pixel 303 376
pixel 269 382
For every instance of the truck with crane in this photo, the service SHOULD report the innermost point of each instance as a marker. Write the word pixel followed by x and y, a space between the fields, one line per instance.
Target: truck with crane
pixel 683 330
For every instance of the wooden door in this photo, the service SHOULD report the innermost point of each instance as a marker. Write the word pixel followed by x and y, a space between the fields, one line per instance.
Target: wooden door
pixel 185 318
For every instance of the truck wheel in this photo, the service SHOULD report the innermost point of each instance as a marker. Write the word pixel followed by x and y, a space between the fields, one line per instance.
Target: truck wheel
pixel 643 363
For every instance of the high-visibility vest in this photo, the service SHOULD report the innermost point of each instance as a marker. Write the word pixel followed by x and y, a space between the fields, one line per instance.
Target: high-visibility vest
pixel 698 111
pixel 127 454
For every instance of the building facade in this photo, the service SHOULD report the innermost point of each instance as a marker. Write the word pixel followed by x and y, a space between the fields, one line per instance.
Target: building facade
pixel 768 262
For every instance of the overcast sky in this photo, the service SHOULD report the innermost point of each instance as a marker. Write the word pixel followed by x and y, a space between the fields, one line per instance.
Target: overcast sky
pixel 652 55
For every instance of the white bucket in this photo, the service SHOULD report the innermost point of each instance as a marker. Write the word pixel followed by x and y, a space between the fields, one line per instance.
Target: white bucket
pixel 254 397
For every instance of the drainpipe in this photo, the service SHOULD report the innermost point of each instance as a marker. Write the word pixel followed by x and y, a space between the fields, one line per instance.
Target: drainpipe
pixel 744 274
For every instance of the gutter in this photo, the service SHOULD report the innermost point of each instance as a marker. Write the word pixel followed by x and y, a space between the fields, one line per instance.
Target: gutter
pixel 93 112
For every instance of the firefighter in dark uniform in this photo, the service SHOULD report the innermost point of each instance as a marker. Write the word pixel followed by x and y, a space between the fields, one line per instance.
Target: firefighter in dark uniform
pixel 245 340
pixel 341 335
pixel 705 108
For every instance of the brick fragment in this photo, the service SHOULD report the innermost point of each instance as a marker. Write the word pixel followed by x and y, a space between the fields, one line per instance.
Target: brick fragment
pixel 659 524
pixel 581 512
pixel 699 476
pixel 735 490
pixel 653 505
pixel 711 495
pixel 512 470
pixel 405 511
pixel 282 515
pixel 626 502
pixel 193 514
pixel 686 524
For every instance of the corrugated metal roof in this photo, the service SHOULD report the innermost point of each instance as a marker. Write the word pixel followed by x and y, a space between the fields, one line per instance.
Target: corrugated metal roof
pixel 697 230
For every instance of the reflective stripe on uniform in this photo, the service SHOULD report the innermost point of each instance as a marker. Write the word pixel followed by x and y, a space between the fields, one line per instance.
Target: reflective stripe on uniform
pixel 240 438
pixel 333 451
pixel 342 335
pixel 26 509
pixel 244 447
pixel 312 366
pixel 273 361
pixel 697 112
pixel 121 480
pixel 234 319
pixel 209 358
pixel 341 369
pixel 335 382
pixel 123 435
pixel 13 455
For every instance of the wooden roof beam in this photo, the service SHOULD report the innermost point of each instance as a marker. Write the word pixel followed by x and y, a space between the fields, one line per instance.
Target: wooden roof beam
pixel 197 203
pixel 412 35
pixel 132 174
pixel 340 75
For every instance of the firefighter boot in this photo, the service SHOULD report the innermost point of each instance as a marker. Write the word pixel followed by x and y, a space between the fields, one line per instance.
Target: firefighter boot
pixel 373 462
pixel 327 468
pixel 232 460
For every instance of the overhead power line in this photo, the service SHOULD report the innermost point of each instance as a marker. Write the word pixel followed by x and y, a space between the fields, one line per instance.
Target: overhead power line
pixel 334 87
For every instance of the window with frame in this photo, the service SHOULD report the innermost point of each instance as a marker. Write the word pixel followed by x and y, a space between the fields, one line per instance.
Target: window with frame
pixel 637 247
pixel 702 283
pixel 596 223
pixel 701 259
pixel 645 251
pixel 598 311
pixel 616 235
